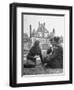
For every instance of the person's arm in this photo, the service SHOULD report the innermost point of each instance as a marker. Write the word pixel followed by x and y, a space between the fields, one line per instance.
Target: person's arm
pixel 49 51
pixel 50 57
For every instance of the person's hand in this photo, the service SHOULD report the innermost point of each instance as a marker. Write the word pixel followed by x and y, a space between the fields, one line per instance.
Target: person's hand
pixel 36 56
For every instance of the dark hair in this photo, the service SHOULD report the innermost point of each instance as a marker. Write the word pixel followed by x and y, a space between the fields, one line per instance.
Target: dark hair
pixel 36 43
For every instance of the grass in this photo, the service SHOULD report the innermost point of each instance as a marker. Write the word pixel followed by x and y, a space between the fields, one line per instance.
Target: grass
pixel 39 69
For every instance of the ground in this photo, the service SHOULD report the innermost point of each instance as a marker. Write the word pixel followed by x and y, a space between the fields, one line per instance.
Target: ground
pixel 39 69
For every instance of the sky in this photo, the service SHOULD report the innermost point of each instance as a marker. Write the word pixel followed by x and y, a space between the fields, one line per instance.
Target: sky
pixel 56 22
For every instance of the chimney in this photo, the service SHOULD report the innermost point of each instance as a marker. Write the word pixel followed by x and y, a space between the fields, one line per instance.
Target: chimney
pixel 39 23
pixel 44 23
pixel 53 30
pixel 30 30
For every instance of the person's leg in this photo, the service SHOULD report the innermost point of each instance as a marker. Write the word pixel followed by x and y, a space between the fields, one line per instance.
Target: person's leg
pixel 32 59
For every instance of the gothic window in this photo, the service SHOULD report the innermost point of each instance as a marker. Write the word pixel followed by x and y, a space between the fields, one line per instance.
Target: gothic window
pixel 46 34
pixel 40 34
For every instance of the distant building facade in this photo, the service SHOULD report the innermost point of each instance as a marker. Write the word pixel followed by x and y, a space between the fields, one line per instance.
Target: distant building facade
pixel 42 35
